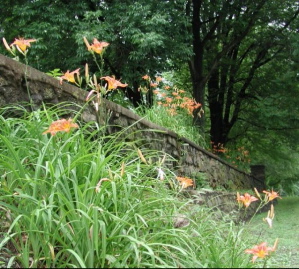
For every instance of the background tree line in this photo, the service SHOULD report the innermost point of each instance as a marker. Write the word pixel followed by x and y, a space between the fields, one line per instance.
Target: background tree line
pixel 239 59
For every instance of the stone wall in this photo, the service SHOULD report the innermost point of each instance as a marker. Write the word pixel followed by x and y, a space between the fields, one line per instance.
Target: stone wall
pixel 191 159
pixel 225 205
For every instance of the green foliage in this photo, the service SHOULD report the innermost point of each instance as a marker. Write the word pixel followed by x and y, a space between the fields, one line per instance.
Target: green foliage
pixel 180 77
pixel 136 32
pixel 53 24
pixel 181 123
pixel 55 73
pixel 69 202
pixel 249 61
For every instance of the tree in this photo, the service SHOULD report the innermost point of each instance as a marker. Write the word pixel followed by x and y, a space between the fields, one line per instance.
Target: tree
pixel 145 37
pixel 232 40
pixel 52 23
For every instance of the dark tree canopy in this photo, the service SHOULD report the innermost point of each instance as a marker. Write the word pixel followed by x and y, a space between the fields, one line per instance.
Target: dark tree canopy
pixel 232 42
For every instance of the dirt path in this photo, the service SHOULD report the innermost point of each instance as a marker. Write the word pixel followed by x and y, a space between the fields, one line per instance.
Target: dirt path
pixel 285 228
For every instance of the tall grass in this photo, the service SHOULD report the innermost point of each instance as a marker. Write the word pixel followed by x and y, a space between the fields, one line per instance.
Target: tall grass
pixel 181 123
pixel 82 200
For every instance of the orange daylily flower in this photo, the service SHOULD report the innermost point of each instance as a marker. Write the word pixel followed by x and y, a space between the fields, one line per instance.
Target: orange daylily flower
pixel 154 85
pixel 261 250
pixel 97 46
pixel 246 199
pixel 62 125
pixel 190 105
pixel 22 43
pixel 185 182
pixel 271 195
pixel 113 83
pixel 168 99
pixel 158 79
pixel 146 77
pixel 69 76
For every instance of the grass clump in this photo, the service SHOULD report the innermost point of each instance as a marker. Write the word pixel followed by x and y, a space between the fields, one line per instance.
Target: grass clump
pixel 80 199
pixel 181 123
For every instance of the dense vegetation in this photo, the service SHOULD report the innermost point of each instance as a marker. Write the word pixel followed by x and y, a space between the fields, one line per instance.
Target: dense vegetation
pixel 70 200
pixel 238 59
pixel 222 73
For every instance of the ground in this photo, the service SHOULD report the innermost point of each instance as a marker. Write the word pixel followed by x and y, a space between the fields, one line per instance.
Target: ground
pixel 285 228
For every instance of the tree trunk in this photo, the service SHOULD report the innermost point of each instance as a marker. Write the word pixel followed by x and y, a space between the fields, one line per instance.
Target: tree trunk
pixel 216 108
pixel 196 64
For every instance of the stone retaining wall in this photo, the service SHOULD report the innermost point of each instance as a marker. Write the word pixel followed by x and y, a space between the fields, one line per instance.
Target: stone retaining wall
pixel 225 204
pixel 191 159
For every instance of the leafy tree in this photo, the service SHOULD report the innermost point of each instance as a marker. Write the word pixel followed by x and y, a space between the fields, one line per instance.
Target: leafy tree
pixel 232 41
pixel 52 23
pixel 145 36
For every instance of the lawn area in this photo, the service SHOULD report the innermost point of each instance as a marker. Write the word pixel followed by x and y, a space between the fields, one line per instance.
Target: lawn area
pixel 285 228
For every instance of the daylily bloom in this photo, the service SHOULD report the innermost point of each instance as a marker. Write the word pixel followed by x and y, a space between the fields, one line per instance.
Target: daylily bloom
pixel 62 125
pixel 22 43
pixel 168 99
pixel 97 46
pixel 271 195
pixel 158 79
pixel 146 77
pixel 113 83
pixel 70 76
pixel 246 199
pixel 185 182
pixel 261 250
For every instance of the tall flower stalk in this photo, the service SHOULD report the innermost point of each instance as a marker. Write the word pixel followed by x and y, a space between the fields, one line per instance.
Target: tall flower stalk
pixel 97 88
pixel 21 45
pixel 261 251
